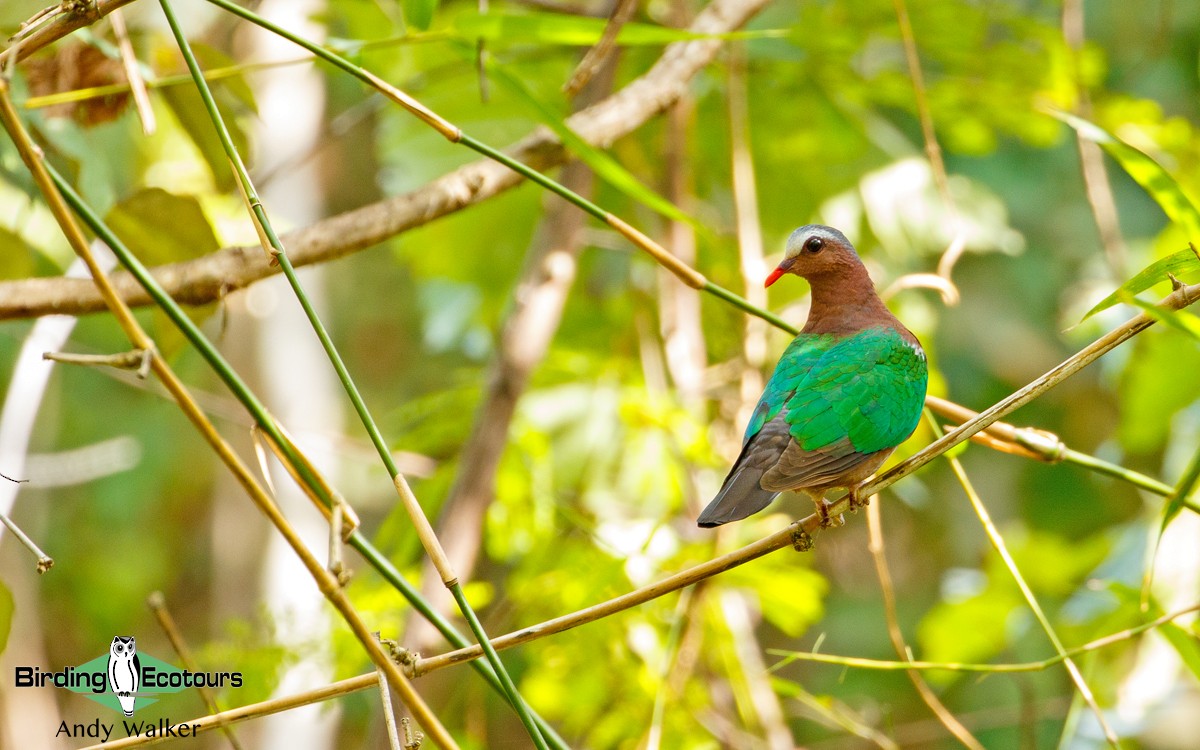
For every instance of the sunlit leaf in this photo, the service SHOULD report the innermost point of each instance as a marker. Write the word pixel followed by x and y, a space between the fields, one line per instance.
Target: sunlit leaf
pixel 1185 644
pixel 1183 490
pixel 1184 264
pixel 1180 320
pixel 1148 173
pixel 1154 388
pixel 161 227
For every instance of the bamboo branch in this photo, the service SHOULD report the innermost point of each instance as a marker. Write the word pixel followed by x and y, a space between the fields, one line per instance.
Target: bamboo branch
pixel 213 276
pixel 953 666
pixel 158 605
pixel 253 711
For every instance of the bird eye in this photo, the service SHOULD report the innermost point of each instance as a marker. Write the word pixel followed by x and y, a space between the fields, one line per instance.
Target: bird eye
pixel 814 244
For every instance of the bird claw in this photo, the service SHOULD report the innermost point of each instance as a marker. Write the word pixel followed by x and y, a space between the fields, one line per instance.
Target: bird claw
pixel 829 521
pixel 857 502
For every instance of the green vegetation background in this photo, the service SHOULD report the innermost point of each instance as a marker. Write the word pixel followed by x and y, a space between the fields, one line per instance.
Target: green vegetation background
pixel 606 464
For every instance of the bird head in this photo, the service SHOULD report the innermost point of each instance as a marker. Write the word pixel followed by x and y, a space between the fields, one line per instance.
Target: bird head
pixel 814 250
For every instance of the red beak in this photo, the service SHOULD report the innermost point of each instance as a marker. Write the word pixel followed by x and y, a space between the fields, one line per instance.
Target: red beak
pixel 780 270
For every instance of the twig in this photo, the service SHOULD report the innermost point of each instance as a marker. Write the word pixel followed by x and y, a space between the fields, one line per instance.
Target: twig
pixel 837 714
pixel 951 666
pixel 932 150
pixel 1040 445
pixel 1091 158
pixel 62 23
pixel 948 720
pixel 44 561
pixel 138 359
pixel 800 533
pixel 749 231
pixel 600 51
pixel 133 74
pixel 389 714
pixel 158 605
pixel 746 658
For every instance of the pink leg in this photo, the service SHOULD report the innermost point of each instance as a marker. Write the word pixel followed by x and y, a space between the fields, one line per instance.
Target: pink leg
pixel 827 521
pixel 857 502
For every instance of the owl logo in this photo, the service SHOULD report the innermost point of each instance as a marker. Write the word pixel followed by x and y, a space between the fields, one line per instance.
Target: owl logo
pixel 124 671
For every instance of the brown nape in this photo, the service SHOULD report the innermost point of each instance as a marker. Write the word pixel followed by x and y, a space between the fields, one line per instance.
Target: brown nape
pixel 844 301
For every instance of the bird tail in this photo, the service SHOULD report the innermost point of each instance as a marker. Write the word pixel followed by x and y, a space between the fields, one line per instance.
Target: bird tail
pixel 740 496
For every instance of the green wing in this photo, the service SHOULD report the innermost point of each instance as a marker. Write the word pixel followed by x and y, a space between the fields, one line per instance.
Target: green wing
pixel 868 387
pixel 830 405
pixel 804 353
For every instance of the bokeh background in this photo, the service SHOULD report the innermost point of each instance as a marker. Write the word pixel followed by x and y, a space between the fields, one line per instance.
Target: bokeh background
pixel 564 408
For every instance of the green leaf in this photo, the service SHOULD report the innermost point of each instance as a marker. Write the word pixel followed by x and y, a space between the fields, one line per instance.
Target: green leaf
pixel 1154 383
pixel 161 227
pixel 1181 321
pixel 1183 490
pixel 605 167
pixel 578 31
pixel 419 13
pixel 1185 645
pixel 1184 264
pixel 233 96
pixel 1148 173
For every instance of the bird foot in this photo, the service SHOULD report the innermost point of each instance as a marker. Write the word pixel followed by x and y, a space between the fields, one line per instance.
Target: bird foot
pixel 857 502
pixel 828 520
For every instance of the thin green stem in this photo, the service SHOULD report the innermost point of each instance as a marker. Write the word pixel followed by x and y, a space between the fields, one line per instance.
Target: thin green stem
pixel 1100 466
pixel 744 305
pixel 1031 666
pixel 343 373
pixel 1001 548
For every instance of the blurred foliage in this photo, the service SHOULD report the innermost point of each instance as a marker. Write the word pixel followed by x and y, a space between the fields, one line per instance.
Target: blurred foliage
pixel 606 463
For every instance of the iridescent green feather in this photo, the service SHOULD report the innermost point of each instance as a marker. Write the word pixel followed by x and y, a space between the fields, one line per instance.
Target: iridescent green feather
pixel 868 387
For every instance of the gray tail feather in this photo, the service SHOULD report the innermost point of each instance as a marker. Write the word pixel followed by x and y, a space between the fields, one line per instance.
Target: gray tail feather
pixel 739 497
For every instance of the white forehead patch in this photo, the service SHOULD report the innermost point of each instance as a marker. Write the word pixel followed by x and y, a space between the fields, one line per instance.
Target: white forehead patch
pixel 795 241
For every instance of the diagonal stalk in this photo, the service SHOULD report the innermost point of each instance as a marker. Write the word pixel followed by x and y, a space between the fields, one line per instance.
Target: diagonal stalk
pixel 267 423
pixel 1029 666
pixel 943 714
pixel 275 247
pixel 46 180
pixel 998 543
